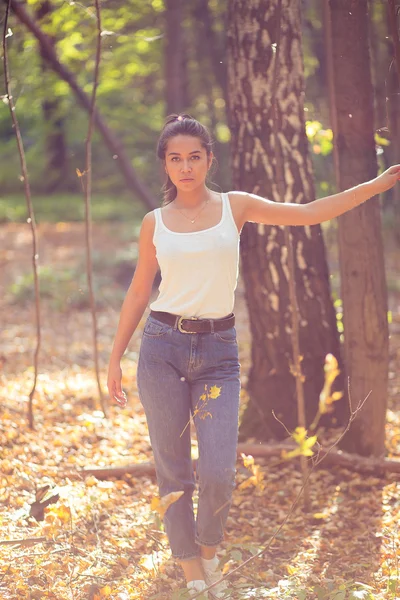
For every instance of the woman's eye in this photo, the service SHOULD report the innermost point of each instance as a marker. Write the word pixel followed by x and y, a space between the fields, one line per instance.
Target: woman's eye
pixel 176 158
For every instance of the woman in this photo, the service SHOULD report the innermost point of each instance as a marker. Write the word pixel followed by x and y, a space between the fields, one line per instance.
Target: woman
pixel 188 362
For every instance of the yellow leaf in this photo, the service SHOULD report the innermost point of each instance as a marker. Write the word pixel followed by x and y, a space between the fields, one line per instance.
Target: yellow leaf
pixel 63 513
pixel 306 452
pixel 105 591
pixel 291 454
pixel 299 434
pixel 320 515
pixel 162 504
pixel 309 442
pixel 155 503
pixel 91 480
pixel 248 460
pixel 251 481
pixel 215 391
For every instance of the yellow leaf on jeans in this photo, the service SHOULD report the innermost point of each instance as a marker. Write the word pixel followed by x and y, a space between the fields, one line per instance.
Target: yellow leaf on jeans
pixel 162 504
pixel 215 391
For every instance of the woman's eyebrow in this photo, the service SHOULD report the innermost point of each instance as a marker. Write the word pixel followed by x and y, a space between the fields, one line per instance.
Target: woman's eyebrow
pixel 178 153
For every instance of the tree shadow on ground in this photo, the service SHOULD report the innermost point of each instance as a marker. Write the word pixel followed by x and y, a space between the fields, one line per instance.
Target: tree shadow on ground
pixel 348 540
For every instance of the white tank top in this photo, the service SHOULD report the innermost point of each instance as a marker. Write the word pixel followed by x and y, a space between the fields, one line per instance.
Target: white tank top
pixel 199 270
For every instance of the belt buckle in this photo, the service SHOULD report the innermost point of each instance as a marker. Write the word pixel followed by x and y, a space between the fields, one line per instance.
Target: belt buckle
pixel 185 319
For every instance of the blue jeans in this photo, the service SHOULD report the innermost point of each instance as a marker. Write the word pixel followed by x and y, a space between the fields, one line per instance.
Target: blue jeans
pixel 196 374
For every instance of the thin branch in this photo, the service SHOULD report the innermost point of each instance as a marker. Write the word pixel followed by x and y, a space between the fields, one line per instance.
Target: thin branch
pixel 24 541
pixel 88 217
pixel 31 216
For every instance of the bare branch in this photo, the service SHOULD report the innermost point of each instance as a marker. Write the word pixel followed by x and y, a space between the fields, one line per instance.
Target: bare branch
pixel 24 541
pixel 88 217
pixel 31 215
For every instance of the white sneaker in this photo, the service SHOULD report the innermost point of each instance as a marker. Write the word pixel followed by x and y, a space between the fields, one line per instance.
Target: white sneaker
pixel 213 574
pixel 196 586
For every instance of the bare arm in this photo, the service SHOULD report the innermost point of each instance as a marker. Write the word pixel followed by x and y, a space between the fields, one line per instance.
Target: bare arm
pixel 261 210
pixel 138 294
pixel 134 305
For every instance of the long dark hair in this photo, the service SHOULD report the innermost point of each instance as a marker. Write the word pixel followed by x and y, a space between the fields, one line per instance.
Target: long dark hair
pixel 180 125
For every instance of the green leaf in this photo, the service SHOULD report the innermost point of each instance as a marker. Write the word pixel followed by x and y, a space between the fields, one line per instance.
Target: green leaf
pixel 237 555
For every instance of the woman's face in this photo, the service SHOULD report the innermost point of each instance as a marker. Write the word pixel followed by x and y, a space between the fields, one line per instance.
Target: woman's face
pixel 186 162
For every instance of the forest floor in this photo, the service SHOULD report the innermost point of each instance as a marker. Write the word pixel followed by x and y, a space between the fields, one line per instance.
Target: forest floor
pixel 103 540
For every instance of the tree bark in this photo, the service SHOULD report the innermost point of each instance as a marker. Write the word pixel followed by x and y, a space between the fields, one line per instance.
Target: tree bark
pixel 252 33
pixel 113 144
pixel 393 103
pixel 362 269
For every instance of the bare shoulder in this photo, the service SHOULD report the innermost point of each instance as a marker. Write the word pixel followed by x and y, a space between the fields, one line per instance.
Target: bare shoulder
pixel 149 219
pixel 237 197
pixel 238 202
pixel 147 227
pixel 148 222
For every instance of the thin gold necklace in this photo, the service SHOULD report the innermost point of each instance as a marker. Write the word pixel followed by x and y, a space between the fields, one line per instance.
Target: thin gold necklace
pixel 188 218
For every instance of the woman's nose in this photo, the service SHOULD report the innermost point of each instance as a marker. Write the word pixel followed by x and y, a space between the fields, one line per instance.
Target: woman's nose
pixel 186 166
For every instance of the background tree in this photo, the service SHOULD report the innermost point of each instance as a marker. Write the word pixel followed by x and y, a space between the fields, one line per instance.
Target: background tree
pixel 362 268
pixel 53 118
pixel 175 58
pixel 252 34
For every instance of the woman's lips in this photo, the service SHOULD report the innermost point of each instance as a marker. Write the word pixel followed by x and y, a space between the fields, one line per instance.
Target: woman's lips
pixel 187 179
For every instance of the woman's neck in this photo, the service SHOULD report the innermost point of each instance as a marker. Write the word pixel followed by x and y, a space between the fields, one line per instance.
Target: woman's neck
pixel 192 199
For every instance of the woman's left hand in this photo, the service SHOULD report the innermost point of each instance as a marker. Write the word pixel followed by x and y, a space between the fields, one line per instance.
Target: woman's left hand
pixel 388 178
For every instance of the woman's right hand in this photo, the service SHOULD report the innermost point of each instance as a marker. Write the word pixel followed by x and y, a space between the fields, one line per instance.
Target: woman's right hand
pixel 114 380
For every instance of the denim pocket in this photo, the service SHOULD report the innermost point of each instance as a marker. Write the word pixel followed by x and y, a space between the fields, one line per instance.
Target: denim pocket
pixel 153 328
pixel 228 336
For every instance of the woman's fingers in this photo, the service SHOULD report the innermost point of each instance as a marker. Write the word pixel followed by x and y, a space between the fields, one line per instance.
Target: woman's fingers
pixel 120 397
pixel 116 393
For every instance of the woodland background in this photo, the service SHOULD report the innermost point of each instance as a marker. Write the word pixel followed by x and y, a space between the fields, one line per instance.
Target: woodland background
pixel 85 534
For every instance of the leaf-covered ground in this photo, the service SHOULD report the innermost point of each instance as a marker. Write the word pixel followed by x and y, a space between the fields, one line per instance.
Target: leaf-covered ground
pixel 102 540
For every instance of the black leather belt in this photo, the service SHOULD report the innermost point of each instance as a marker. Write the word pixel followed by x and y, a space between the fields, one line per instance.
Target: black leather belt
pixel 193 324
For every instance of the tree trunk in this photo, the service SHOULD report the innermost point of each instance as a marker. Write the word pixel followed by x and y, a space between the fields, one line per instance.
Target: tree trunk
pixel 393 103
pixel 210 57
pixel 252 33
pixel 360 241
pixel 175 57
pixel 211 43
pixel 55 139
